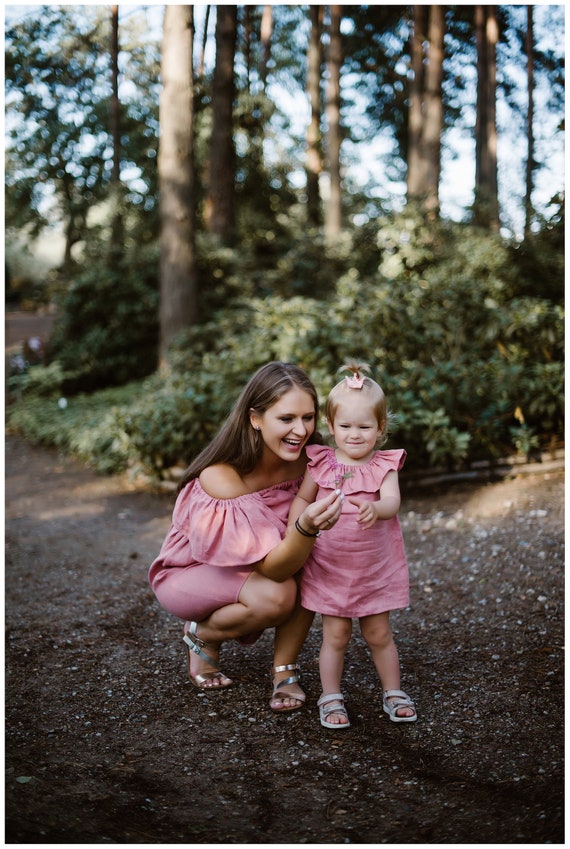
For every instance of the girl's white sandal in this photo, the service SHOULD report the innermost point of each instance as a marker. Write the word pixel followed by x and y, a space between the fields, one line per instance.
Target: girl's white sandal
pixel 398 700
pixel 332 703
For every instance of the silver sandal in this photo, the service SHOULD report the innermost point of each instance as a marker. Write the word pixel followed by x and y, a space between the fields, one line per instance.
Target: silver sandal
pixel 280 690
pixel 332 703
pixel 196 645
pixel 400 700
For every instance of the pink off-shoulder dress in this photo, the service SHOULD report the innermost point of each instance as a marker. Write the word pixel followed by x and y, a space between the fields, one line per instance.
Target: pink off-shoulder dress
pixel 213 544
pixel 354 572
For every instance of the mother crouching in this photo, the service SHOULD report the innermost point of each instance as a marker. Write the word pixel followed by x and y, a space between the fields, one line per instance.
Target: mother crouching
pixel 228 562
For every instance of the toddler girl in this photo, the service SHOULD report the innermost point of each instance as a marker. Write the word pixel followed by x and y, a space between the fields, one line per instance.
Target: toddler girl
pixel 358 569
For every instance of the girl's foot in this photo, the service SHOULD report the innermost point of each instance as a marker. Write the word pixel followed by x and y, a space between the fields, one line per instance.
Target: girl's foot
pixel 287 694
pixel 203 672
pixel 332 711
pixel 399 706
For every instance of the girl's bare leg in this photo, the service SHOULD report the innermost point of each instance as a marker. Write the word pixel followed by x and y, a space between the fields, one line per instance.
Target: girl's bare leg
pixel 336 635
pixel 378 635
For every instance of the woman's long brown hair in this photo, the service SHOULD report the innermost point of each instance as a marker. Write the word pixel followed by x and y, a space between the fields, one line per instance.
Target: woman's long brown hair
pixel 237 443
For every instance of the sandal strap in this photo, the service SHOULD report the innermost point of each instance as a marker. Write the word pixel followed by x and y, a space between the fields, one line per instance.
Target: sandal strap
pixel 284 668
pixel 389 693
pixel 292 679
pixel 326 706
pixel 195 644
pixel 330 697
pixel 279 689
pixel 401 699
pixel 201 678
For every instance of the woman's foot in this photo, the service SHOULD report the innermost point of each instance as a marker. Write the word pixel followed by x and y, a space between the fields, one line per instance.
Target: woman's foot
pixel 202 670
pixel 287 694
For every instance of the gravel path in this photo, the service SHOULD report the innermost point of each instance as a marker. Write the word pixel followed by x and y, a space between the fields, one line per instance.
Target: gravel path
pixel 106 741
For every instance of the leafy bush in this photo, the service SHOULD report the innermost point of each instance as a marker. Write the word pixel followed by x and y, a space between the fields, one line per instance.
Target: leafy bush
pixel 107 330
pixel 471 368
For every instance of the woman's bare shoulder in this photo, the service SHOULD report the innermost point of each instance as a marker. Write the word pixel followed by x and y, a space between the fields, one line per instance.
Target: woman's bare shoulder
pixel 222 481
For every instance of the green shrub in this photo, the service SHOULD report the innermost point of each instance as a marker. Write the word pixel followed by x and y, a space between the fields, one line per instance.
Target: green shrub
pixel 107 330
pixel 464 358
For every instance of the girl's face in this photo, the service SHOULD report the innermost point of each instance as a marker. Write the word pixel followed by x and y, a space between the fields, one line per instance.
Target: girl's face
pixel 287 425
pixel 355 430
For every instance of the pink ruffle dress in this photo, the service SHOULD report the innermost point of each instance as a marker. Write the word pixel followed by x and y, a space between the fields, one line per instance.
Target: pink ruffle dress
pixel 213 544
pixel 354 572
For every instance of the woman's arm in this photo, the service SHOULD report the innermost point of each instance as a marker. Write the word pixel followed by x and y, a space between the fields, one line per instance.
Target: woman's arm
pixel 306 495
pixel 291 553
pixel 288 556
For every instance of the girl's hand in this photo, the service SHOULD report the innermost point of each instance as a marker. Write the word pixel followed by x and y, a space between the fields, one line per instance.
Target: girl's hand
pixel 322 514
pixel 367 515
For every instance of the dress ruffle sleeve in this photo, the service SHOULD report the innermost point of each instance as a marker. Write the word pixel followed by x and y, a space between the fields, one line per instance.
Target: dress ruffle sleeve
pixel 329 474
pixel 226 532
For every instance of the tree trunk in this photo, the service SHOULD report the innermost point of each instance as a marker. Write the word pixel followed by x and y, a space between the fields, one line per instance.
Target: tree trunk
pixel 486 207
pixel 415 176
pixel 247 29
pixel 425 121
pixel 314 162
pixel 115 122
pixel 333 220
pixel 178 285
pixel 530 122
pixel 433 122
pixel 219 204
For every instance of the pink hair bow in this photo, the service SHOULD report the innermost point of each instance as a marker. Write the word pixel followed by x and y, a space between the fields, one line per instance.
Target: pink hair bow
pixel 355 382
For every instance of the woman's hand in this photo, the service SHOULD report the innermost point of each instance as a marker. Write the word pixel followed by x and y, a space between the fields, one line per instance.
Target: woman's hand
pixel 322 514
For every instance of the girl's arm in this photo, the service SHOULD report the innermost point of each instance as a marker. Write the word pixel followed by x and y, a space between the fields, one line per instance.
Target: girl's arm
pixel 385 508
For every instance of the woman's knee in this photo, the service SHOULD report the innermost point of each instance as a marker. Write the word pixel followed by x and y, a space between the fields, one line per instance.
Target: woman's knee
pixel 273 600
pixel 281 598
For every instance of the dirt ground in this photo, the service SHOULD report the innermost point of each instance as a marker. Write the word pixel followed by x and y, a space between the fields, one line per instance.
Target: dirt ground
pixel 107 742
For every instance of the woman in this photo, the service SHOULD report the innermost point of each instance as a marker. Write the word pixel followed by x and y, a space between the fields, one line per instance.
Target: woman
pixel 227 564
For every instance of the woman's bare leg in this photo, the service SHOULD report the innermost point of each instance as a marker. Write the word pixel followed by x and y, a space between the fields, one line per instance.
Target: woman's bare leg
pixel 262 604
pixel 289 640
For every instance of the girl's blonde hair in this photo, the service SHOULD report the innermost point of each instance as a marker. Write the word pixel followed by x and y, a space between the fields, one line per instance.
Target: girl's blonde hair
pixel 360 382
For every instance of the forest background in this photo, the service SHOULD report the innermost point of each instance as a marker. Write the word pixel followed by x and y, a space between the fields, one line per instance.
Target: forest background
pixel 207 230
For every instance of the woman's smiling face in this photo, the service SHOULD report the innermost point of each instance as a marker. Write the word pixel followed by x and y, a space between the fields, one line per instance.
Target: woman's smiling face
pixel 288 424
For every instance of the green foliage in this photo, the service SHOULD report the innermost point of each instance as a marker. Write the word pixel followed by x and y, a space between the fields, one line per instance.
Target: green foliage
pixel 107 331
pixel 58 85
pixel 88 426
pixel 471 367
